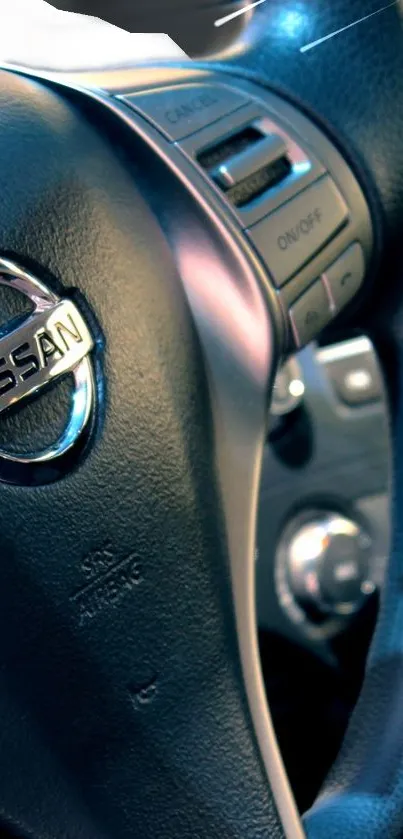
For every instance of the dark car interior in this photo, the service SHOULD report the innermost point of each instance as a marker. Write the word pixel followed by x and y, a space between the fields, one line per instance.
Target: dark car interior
pixel 327 460
pixel 201 439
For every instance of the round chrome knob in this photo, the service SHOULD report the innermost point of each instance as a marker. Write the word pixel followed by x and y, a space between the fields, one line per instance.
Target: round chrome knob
pixel 327 565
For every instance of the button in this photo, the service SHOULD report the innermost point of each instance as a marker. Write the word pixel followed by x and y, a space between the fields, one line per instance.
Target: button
pixel 356 380
pixel 345 276
pixel 290 236
pixel 181 110
pixel 310 314
pixel 240 166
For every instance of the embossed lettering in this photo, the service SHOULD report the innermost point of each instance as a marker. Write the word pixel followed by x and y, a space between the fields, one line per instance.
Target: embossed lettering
pixel 303 228
pixel 66 333
pixel 23 357
pixel 199 103
pixel 48 347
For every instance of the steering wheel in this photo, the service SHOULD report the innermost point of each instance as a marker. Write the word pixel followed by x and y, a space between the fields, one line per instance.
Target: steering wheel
pixel 168 234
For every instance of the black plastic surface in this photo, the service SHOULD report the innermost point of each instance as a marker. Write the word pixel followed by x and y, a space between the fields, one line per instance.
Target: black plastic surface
pixel 121 696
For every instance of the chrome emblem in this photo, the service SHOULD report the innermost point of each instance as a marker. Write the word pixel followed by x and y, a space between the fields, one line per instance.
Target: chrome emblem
pixel 52 341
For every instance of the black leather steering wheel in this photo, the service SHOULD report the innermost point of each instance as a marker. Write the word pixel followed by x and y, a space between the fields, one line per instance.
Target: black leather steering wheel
pixel 131 697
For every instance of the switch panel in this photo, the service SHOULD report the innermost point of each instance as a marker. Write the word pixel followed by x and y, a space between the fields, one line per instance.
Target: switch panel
pixel 284 183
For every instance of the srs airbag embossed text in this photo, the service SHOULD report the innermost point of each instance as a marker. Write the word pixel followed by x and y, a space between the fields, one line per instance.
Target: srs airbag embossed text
pixel 109 577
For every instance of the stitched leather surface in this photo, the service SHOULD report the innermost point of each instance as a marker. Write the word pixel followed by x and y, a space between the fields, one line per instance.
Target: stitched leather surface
pixel 121 698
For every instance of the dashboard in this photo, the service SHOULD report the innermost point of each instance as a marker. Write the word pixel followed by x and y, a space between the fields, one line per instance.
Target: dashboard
pixel 323 543
pixel 324 507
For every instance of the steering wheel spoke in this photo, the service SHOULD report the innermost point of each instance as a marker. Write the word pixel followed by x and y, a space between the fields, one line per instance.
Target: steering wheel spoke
pixel 127 573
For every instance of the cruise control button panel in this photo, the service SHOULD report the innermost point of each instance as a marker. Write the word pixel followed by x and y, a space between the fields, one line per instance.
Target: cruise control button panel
pixel 290 236
pixel 181 110
pixel 279 179
pixel 310 314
